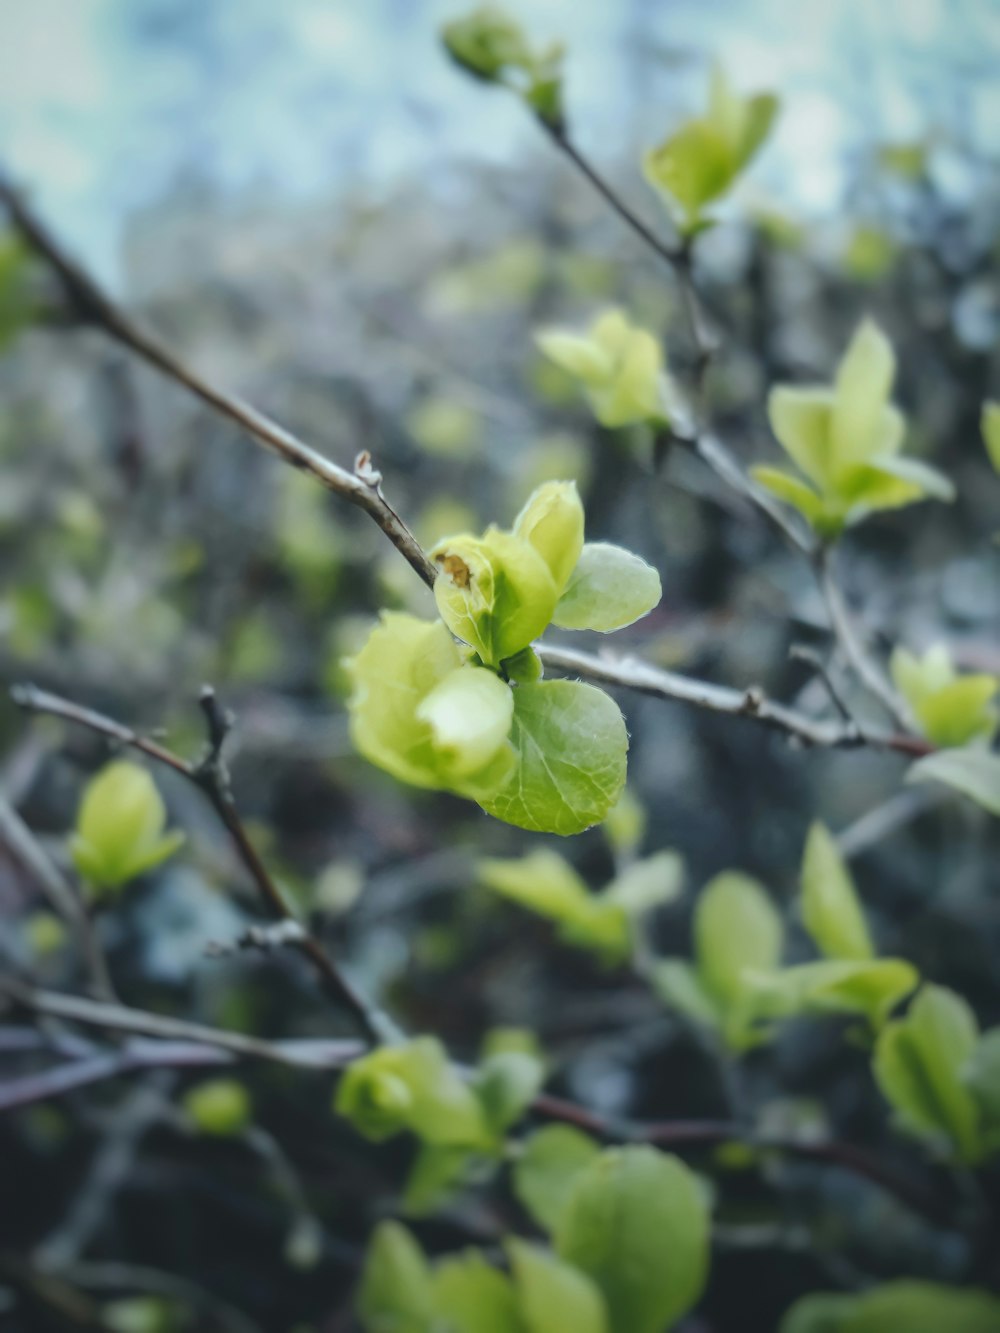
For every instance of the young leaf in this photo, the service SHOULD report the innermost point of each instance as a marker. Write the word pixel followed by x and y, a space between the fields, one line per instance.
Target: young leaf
pixel 678 984
pixel 619 365
pixel 737 930
pixel 952 710
pixel 834 986
pixel 412 1087
pixel 552 1294
pixel 570 748
pixel 646 884
pixel 919 1063
pixel 505 1084
pixel 637 1224
pixel 608 589
pixel 990 423
pixel 552 522
pixel 548 1169
pixel 975 773
pixel 831 911
pixel 909 1306
pixel 495 592
pixel 120 827
pixel 982 1075
pixel 395 1294
pixel 422 715
pixel 846 441
pixel 472 1297
pixel 546 883
pixel 438 1172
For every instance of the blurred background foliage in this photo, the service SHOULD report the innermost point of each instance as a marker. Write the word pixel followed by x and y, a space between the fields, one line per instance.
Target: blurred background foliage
pixel 378 290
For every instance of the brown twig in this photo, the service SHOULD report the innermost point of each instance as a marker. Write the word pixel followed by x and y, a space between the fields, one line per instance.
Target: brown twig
pixel 336 1055
pixel 210 775
pixel 96 307
pixel 634 674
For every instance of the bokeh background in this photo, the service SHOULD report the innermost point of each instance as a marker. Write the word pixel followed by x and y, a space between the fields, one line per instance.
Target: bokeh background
pixel 318 211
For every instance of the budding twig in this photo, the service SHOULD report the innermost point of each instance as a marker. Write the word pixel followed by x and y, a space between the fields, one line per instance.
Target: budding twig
pixel 209 774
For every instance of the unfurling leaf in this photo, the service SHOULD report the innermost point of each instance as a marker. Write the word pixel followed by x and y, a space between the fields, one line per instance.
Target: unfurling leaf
pixel 489 45
pixel 418 711
pixel 831 911
pixel 919 1066
pixel 552 522
pixel 120 827
pixel 637 1224
pixel 737 930
pixel 495 592
pixel 846 440
pixel 619 366
pixel 608 589
pixel 951 710
pixel 871 987
pixel 411 1087
pixel 700 162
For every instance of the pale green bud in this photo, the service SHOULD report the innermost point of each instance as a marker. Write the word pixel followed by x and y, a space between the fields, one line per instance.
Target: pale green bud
pixel 221 1106
pixel 120 827
pixel 470 714
pixel 552 521
pixel 494 592
pixel 950 709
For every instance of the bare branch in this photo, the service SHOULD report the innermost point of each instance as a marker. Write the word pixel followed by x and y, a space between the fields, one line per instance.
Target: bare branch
pixel 634 674
pixel 96 307
pixel 867 670
pixel 211 777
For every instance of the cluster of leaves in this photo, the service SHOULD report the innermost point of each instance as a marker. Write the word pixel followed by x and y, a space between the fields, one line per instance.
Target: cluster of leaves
pixel 475 717
pixel 490 46
pixel 629 1236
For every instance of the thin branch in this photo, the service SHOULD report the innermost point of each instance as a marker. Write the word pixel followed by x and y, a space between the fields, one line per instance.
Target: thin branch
pixel 300 1054
pixel 361 487
pixel 711 450
pixel 331 1055
pixel 25 848
pixel 842 625
pixel 634 674
pixel 678 257
pixel 211 776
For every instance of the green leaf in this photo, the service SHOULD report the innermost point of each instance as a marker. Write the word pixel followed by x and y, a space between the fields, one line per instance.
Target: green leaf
pixel 219 1106
pixel 951 710
pixel 552 522
pixel 990 424
pixel 861 394
pixel 646 884
pixel 919 1061
pixel 909 1306
pixel 485 42
pixel 438 1172
pixel 548 1169
pixel 834 986
pixel 495 592
pixel 794 492
pixel 982 1074
pixel 422 715
pixel 678 984
pixel 975 773
pixel 506 1083
pixel 552 1294
pixel 395 1294
pixel 411 1087
pixel 831 911
pixel 120 827
pixel 546 883
pixel 570 747
pixel 737 930
pixel 472 1297
pixel 637 1224
pixel 619 366
pixel 609 588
